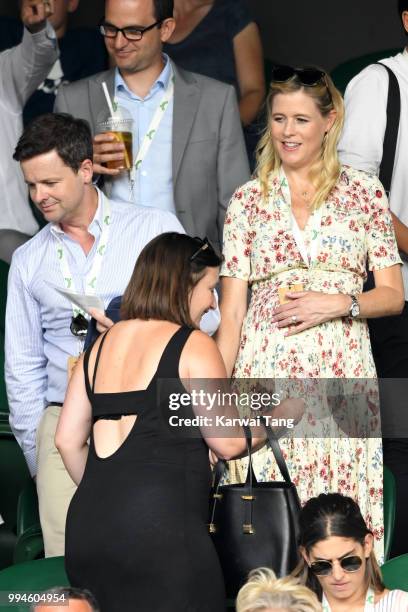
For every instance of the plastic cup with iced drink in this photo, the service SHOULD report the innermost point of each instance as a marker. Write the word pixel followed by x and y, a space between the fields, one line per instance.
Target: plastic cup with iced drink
pixel 121 127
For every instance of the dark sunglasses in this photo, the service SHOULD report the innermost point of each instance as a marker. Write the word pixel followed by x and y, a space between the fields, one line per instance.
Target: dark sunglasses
pixel 325 568
pixel 307 76
pixel 79 325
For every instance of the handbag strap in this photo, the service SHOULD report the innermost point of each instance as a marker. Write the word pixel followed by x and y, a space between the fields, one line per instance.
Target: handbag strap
pixel 222 466
pixel 391 130
pixel 277 452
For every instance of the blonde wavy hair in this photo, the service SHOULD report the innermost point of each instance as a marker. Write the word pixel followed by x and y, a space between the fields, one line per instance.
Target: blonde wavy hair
pixel 326 170
pixel 263 591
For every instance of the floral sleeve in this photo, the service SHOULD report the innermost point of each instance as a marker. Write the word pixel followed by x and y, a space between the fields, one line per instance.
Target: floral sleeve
pixel 238 235
pixel 382 250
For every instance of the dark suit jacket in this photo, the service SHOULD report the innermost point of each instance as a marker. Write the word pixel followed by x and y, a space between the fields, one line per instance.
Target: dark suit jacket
pixel 209 156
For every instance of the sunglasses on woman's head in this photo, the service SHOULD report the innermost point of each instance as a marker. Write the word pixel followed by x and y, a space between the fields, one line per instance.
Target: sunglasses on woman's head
pixel 325 568
pixel 307 76
pixel 203 246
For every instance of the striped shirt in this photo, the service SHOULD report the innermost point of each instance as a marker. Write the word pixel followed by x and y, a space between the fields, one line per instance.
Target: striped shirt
pixel 38 337
pixel 394 601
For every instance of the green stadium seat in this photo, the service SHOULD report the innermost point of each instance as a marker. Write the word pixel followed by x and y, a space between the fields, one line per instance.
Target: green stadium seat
pixel 395 573
pixel 13 476
pixel 343 73
pixel 34 576
pixel 30 544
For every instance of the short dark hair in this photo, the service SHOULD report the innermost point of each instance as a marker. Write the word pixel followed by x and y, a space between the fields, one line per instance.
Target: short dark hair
pixel 164 276
pixel 163 9
pixel 402 6
pixel 70 593
pixel 70 137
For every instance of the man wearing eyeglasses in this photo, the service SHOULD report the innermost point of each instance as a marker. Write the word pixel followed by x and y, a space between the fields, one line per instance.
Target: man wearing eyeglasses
pixel 189 158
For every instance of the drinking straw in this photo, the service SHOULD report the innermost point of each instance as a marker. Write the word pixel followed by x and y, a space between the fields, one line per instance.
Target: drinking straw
pixel 108 100
pixel 112 112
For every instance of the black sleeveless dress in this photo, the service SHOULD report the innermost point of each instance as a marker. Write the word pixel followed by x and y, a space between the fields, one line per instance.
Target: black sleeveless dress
pixel 136 533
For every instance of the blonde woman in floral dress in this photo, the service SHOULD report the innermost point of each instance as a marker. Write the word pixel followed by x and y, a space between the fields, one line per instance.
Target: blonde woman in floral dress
pixel 307 223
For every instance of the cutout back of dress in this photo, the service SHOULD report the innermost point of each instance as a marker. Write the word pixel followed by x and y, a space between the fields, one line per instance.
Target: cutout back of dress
pixel 125 407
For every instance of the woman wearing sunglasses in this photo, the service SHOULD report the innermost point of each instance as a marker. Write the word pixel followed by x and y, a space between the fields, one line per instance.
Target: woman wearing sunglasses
pixel 300 235
pixel 338 560
pixel 136 533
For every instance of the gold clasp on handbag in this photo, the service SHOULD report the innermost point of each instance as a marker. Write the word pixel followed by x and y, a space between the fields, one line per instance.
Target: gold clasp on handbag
pixel 248 529
pixel 217 496
pixel 212 528
pixel 248 497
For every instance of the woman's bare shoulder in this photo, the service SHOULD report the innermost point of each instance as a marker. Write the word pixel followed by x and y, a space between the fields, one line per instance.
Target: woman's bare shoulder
pixel 201 356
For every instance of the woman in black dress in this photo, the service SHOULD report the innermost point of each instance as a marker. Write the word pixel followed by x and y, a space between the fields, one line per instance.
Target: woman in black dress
pixel 136 533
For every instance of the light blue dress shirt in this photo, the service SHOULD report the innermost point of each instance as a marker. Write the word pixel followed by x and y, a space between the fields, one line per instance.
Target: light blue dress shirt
pixel 38 336
pixel 154 179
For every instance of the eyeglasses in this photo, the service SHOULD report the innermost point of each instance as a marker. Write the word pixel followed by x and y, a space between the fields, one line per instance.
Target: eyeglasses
pixel 130 32
pixel 307 76
pixel 325 568
pixel 79 326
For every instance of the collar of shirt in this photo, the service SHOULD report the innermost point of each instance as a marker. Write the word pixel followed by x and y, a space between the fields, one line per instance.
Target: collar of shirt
pixel 160 83
pixel 405 54
pixel 94 228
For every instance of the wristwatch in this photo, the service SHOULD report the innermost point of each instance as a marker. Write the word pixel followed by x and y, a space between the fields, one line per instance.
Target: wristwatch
pixel 354 309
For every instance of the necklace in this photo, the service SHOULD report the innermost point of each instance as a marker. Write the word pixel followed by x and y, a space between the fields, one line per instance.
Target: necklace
pixel 307 198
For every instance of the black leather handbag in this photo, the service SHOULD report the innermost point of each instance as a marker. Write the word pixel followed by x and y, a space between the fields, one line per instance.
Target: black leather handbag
pixel 255 524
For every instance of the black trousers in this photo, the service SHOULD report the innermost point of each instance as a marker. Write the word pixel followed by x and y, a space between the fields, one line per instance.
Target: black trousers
pixel 389 341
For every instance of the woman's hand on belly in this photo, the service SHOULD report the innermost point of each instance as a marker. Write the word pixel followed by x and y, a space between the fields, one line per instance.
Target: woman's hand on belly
pixel 307 309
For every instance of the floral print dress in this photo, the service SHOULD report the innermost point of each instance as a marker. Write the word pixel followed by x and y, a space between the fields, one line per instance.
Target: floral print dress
pixel 353 229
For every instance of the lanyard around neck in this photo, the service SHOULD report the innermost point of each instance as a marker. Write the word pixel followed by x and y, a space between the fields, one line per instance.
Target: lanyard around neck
pixel 92 276
pixel 368 606
pixel 153 127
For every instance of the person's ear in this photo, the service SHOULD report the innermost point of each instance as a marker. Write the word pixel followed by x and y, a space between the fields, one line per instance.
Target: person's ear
pixel 72 6
pixel 304 554
pixel 167 28
pixel 86 171
pixel 368 545
pixel 331 118
pixel 405 20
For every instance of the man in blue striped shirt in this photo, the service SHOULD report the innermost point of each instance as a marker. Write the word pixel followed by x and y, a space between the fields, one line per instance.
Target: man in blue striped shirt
pixel 90 246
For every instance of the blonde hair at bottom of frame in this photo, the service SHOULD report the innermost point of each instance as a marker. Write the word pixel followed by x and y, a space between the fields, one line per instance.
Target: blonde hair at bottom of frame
pixel 263 591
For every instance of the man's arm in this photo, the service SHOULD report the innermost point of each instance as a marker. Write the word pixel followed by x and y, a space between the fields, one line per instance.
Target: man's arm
pixel 25 364
pixel 401 234
pixel 24 67
pixel 361 143
pixel 232 163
